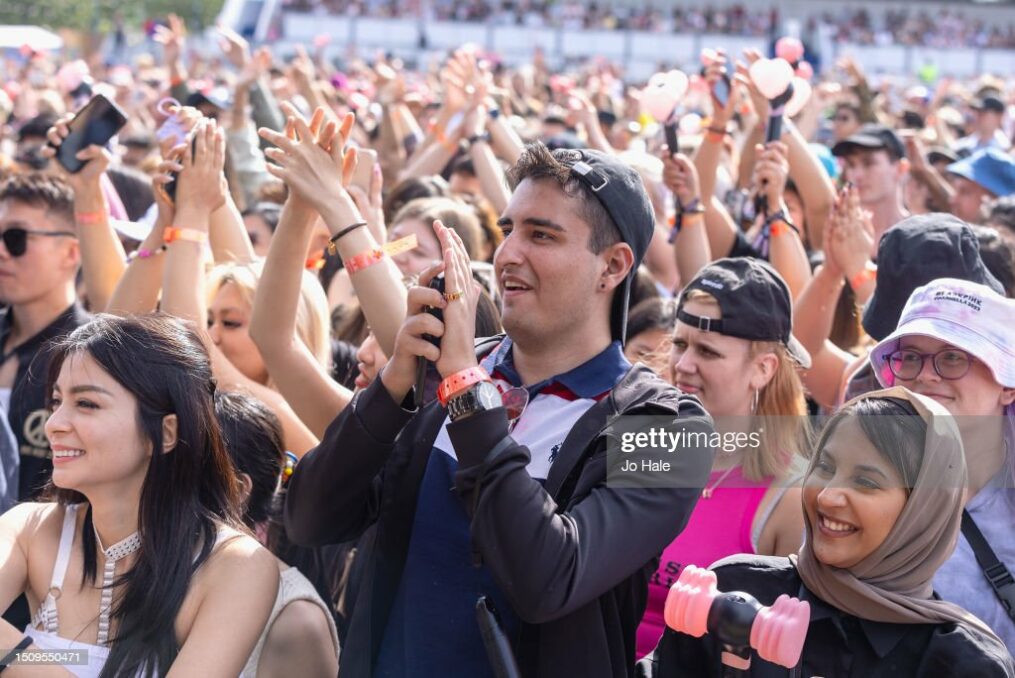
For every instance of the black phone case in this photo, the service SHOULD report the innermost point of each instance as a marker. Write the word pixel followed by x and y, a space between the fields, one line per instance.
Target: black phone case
pixel 95 124
pixel 422 363
pixel 436 284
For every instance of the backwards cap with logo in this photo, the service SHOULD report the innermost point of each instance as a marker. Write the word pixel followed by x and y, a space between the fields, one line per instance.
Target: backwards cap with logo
pixel 754 301
pixel 619 189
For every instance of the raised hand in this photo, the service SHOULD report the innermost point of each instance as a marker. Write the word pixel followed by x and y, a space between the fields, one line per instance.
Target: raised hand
pixel 303 71
pixel 456 77
pixel 461 292
pixel 371 205
pixel 771 171
pixel 715 65
pixel 201 185
pixel 234 47
pixel 681 177
pixel 187 118
pixel 854 235
pixel 758 100
pixel 399 374
pixel 315 162
pixel 172 38
pixel 96 159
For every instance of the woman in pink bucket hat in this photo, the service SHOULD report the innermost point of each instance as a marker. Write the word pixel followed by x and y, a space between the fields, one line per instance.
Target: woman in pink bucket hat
pixel 955 343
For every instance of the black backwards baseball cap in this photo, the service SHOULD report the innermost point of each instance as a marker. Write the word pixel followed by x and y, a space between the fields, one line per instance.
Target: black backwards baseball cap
pixel 914 252
pixel 987 102
pixel 754 301
pixel 872 137
pixel 619 189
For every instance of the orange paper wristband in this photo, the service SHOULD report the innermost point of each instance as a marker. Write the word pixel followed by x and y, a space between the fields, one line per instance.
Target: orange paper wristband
pixel 459 381
pixel 172 234
pixel 868 272
pixel 371 257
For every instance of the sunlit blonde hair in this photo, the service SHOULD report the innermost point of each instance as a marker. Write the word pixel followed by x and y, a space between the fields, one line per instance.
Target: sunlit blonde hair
pixel 312 319
pixel 781 415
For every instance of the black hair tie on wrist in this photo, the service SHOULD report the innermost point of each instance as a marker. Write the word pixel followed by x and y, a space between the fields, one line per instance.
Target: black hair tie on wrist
pixel 333 240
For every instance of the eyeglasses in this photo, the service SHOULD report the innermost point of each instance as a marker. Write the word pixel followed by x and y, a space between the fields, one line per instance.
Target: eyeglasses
pixel 950 363
pixel 16 239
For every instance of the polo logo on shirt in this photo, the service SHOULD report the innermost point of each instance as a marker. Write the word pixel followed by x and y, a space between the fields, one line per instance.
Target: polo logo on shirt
pixel 554 450
pixel 35 428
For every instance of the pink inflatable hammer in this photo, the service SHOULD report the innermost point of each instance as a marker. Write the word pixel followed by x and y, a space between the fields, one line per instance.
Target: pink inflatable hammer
pixel 695 606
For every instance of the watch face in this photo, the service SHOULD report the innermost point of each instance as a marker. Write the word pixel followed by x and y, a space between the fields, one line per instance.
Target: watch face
pixel 482 396
pixel 487 396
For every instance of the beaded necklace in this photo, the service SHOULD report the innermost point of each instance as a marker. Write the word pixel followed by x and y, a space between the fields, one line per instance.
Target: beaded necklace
pixel 114 553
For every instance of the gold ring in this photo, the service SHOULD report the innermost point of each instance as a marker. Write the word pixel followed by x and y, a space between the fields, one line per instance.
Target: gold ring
pixel 452 296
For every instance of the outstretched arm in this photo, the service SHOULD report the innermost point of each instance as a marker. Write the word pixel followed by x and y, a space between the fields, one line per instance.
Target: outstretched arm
pixel 202 190
pixel 320 175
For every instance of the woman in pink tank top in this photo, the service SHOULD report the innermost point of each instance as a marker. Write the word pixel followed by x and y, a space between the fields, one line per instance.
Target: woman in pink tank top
pixel 732 348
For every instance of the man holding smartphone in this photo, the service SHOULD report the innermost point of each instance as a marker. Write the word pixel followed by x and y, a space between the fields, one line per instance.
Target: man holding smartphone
pixel 483 495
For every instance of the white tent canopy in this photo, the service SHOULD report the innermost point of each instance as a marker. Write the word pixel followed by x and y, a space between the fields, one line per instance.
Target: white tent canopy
pixel 39 39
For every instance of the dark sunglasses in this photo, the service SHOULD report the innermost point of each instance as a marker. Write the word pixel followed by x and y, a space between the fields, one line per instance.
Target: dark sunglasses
pixel 16 239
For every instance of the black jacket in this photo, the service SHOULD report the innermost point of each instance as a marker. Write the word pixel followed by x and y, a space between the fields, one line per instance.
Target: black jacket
pixel 29 411
pixel 572 556
pixel 838 645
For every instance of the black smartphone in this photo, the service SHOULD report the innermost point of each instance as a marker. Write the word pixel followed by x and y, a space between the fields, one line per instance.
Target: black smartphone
pixel 436 284
pixel 170 187
pixel 95 124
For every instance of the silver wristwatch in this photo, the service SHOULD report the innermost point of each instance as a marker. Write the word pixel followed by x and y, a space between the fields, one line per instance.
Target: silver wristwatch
pixel 478 397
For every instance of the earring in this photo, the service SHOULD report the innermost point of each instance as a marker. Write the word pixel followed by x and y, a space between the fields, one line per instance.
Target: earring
pixel 754 402
pixel 602 286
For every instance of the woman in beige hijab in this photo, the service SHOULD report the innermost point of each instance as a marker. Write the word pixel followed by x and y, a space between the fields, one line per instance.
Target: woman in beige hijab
pixel 882 501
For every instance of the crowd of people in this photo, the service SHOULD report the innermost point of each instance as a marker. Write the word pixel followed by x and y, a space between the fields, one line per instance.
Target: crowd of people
pixel 322 372
pixel 942 28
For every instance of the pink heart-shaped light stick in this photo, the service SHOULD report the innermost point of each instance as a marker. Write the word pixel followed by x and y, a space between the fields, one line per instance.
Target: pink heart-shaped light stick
pixel 801 95
pixel 805 70
pixel 771 76
pixel 662 94
pixel 790 49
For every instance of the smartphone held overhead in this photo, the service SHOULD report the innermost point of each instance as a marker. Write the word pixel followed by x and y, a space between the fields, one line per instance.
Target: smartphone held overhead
pixel 94 125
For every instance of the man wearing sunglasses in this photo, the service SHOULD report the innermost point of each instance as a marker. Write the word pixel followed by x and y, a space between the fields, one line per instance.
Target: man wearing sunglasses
pixel 39 258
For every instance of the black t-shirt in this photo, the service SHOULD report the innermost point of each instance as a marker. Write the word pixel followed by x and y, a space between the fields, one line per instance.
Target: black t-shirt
pixel 837 644
pixel 28 412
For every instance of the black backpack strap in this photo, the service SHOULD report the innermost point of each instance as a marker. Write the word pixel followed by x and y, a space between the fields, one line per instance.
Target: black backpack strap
pixel 994 570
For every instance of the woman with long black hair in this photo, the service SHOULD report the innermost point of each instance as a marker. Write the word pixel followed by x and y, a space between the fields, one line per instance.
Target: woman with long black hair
pixel 138 559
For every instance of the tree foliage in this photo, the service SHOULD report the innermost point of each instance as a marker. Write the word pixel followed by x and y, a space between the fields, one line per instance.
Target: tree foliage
pixel 98 16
